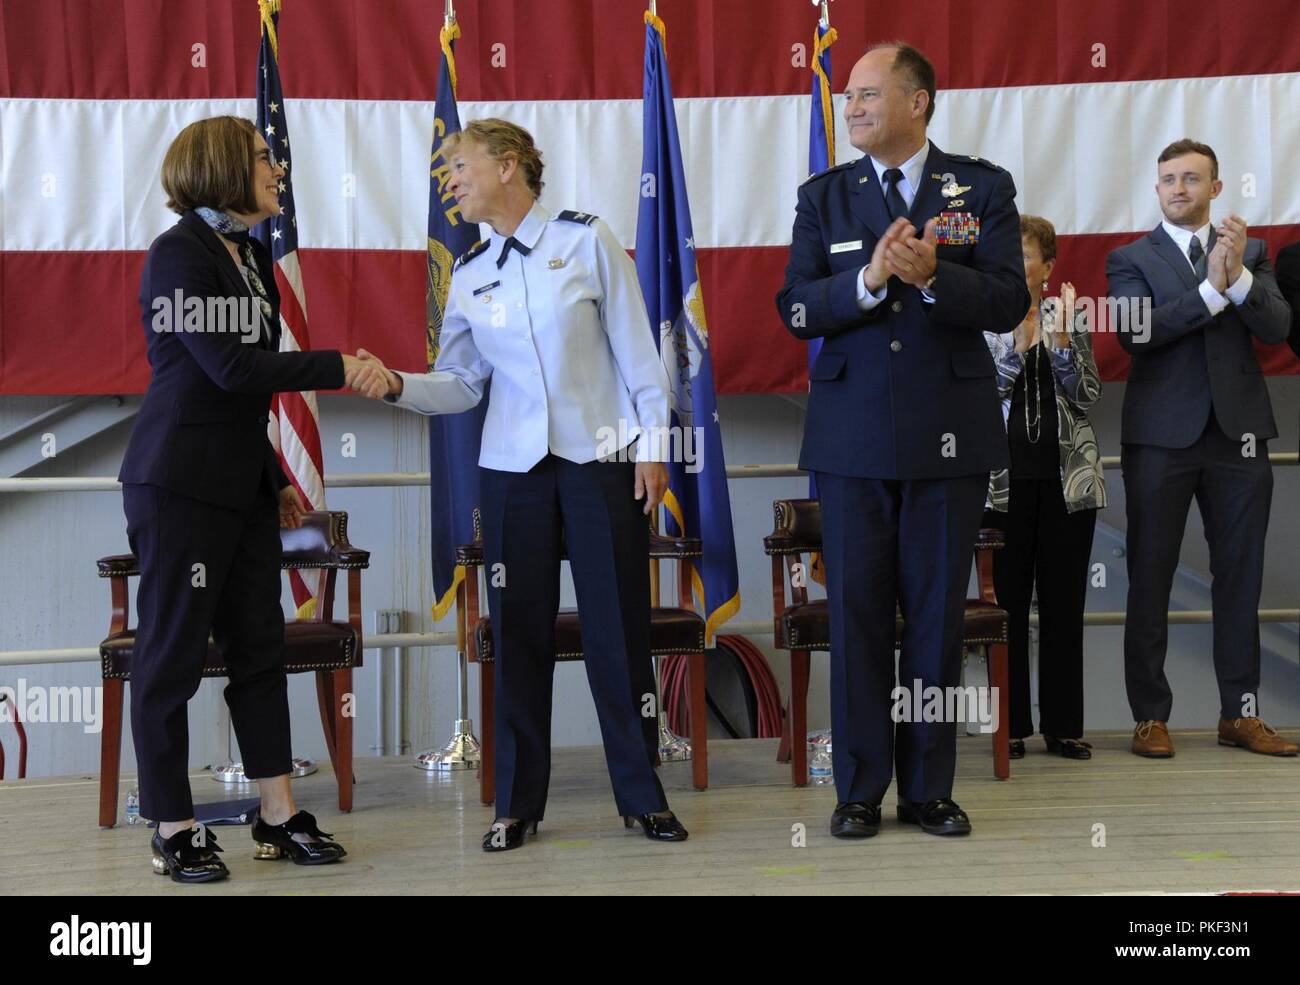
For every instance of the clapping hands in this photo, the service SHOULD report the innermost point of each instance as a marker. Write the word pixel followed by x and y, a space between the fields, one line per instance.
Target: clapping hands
pixel 901 253
pixel 366 374
pixel 1225 261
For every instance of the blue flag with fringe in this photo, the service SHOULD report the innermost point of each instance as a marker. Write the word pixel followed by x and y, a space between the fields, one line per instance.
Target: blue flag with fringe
pixel 697 500
pixel 454 439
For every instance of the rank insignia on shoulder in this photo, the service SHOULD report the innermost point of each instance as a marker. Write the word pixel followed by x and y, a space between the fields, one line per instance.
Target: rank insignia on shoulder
pixel 471 253
pixel 570 215
pixel 957 228
pixel 831 170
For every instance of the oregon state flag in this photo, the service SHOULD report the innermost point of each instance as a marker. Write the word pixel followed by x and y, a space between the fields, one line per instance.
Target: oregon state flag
pixel 453 438
pixel 697 500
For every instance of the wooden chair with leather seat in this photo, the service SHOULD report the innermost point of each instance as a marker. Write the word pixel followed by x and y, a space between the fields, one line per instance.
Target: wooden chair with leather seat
pixel 801 625
pixel 329 648
pixel 673 630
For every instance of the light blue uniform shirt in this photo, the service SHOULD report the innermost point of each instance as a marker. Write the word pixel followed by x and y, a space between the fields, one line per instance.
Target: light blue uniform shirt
pixel 564 336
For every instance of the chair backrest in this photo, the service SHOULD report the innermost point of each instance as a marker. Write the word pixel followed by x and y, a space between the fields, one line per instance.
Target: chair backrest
pixel 663 547
pixel 320 543
pixel 797 530
pixel 797 527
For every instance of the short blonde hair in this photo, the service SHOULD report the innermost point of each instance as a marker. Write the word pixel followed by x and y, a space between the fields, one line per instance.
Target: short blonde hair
pixel 211 163
pixel 502 139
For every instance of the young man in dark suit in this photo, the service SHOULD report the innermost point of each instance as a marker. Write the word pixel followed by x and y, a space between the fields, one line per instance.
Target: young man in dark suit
pixel 1196 422
pixel 900 262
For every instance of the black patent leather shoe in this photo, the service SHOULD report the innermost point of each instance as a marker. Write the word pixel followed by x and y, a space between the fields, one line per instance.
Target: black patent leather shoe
pixel 276 841
pixel 502 837
pixel 936 817
pixel 855 820
pixel 1017 747
pixel 658 828
pixel 185 861
pixel 1069 748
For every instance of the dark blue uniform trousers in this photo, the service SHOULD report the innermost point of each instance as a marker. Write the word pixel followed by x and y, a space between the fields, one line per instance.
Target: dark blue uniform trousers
pixel 607 539
pixel 237 602
pixel 887 542
pixel 1234 493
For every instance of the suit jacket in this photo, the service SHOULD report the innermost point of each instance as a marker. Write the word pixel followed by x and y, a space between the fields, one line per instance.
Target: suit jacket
pixel 201 430
pixel 1288 282
pixel 1193 360
pixel 906 390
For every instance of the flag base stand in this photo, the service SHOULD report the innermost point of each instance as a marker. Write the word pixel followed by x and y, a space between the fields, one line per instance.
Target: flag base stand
pixel 672 747
pixel 460 753
pixel 233 773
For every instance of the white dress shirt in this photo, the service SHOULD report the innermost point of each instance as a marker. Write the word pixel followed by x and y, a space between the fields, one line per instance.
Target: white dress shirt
pixel 1216 302
pixel 913 169
pixel 564 335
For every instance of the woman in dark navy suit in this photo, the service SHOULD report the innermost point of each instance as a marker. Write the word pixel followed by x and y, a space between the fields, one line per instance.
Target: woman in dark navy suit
pixel 205 496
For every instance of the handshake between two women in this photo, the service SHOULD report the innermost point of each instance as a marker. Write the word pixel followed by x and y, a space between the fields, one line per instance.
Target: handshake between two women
pixel 365 374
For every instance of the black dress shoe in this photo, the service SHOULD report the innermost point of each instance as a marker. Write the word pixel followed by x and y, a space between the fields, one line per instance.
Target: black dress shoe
pixel 502 837
pixel 183 860
pixel 658 828
pixel 855 820
pixel 1017 747
pixel 1069 748
pixel 936 817
pixel 276 841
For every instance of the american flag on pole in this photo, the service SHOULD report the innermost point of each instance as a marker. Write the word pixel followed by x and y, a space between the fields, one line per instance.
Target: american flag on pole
pixel 294 428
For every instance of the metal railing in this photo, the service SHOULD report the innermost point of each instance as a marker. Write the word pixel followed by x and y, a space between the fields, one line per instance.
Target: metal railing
pixel 370 480
pixel 405 641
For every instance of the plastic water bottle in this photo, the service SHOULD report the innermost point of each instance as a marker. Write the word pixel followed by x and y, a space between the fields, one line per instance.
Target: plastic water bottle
pixel 820 773
pixel 133 807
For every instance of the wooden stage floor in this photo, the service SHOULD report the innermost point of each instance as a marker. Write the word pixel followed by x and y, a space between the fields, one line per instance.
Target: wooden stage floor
pixel 1209 820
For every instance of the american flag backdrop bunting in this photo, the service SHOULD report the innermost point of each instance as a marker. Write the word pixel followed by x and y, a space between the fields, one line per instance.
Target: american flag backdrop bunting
pixel 1074 99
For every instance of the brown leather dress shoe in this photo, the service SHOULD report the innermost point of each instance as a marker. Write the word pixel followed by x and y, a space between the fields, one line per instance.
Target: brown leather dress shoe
pixel 1151 739
pixel 1255 735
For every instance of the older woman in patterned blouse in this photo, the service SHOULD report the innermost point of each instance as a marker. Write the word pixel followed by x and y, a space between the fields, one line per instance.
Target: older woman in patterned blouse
pixel 1047 502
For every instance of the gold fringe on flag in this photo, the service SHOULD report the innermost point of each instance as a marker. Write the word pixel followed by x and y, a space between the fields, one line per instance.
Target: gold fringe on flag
pixel 268 9
pixel 448 34
pixel 443 605
pixel 654 21
pixel 821 44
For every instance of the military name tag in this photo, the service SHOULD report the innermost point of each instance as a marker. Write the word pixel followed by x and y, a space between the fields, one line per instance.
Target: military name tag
pixel 957 228
pixel 846 247
pixel 486 287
